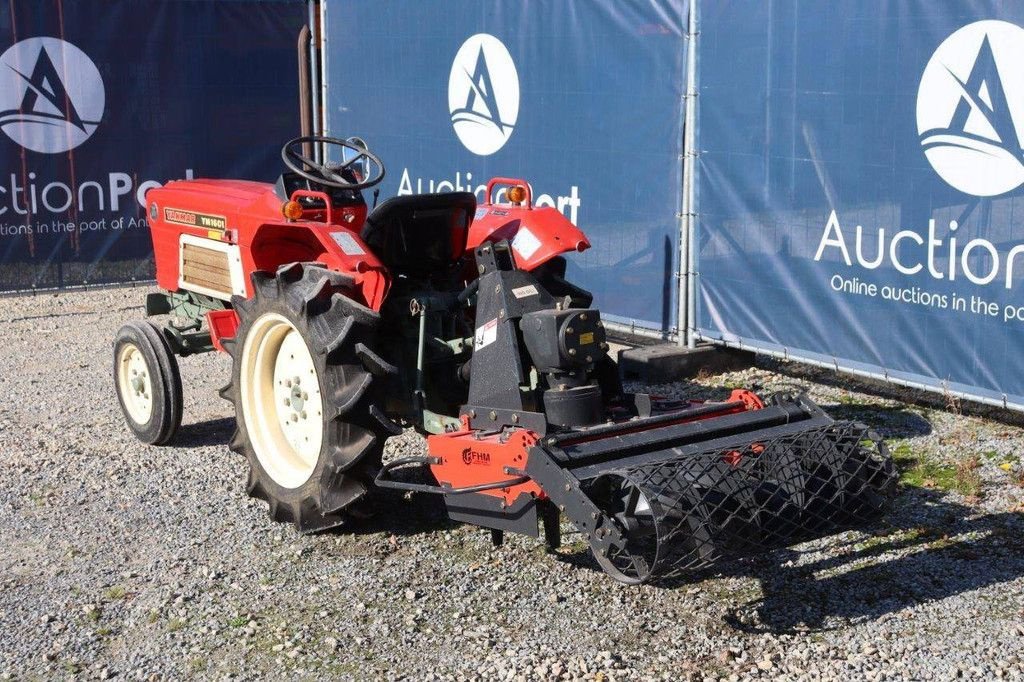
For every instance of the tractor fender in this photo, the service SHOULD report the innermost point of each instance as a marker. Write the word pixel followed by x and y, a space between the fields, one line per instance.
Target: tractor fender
pixel 537 234
pixel 335 247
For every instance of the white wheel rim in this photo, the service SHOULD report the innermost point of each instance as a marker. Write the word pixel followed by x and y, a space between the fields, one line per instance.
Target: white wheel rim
pixel 281 402
pixel 135 384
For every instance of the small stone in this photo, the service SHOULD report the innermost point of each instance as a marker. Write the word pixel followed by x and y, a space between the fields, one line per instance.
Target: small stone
pixel 331 643
pixel 294 653
pixel 277 648
pixel 765 664
pixel 411 595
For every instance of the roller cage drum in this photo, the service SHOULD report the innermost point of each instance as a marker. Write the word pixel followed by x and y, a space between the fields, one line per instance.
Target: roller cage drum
pixel 745 499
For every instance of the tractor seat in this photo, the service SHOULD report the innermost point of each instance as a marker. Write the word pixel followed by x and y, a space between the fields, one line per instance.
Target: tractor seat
pixel 420 235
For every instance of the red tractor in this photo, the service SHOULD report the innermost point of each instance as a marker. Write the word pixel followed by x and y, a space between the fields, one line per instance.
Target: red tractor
pixel 432 312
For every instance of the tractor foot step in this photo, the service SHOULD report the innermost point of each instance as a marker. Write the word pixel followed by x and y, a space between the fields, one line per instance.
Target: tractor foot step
pixel 664 362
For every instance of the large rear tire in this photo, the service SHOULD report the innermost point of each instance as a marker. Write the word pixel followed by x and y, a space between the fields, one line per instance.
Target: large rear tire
pixel 305 385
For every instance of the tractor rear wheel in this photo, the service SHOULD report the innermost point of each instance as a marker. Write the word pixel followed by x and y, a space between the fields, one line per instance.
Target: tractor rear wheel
pixel 148 383
pixel 305 385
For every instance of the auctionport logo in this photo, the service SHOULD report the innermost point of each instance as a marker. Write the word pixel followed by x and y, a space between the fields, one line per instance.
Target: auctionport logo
pixel 970 109
pixel 51 95
pixel 483 94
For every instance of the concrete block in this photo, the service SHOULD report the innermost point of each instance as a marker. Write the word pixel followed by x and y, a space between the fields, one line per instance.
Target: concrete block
pixel 664 363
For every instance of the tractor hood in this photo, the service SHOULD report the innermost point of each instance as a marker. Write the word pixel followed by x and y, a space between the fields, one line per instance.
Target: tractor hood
pixel 225 196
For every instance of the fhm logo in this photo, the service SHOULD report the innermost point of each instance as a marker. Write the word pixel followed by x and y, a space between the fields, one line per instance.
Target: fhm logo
pixel 970 109
pixel 483 94
pixel 51 95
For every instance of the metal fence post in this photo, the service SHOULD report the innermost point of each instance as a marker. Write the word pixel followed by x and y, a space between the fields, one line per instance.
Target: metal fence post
pixel 687 247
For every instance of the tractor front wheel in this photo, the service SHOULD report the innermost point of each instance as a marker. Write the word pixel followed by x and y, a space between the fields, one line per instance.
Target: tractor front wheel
pixel 148 383
pixel 305 386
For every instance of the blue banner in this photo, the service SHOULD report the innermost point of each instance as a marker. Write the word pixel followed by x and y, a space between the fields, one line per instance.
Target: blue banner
pixel 582 99
pixel 102 99
pixel 861 186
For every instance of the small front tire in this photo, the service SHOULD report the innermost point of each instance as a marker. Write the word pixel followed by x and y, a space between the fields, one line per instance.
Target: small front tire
pixel 148 383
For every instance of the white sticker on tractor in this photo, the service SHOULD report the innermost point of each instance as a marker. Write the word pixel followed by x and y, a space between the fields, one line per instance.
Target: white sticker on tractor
pixel 348 244
pixel 524 292
pixel 525 243
pixel 486 334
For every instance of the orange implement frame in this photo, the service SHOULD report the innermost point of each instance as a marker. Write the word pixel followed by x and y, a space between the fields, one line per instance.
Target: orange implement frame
pixel 469 458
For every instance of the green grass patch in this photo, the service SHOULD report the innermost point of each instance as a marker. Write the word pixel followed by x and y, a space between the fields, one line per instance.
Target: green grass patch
pixel 114 593
pixel 1000 460
pixel 878 541
pixel 920 536
pixel 574 547
pixel 918 471
pixel 238 621
pixel 175 624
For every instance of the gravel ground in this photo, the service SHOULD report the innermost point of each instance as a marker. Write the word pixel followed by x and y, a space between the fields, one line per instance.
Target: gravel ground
pixel 124 561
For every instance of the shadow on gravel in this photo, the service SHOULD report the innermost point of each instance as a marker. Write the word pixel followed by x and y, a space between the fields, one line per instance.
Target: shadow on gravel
pixel 943 549
pixel 396 514
pixel 889 422
pixel 201 434
pixel 940 549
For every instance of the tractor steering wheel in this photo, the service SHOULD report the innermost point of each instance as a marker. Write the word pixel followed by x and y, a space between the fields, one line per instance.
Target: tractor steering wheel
pixel 330 174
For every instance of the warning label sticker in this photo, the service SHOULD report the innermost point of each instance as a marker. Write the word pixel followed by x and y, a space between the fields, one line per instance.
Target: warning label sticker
pixel 524 292
pixel 486 334
pixel 525 243
pixel 348 244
